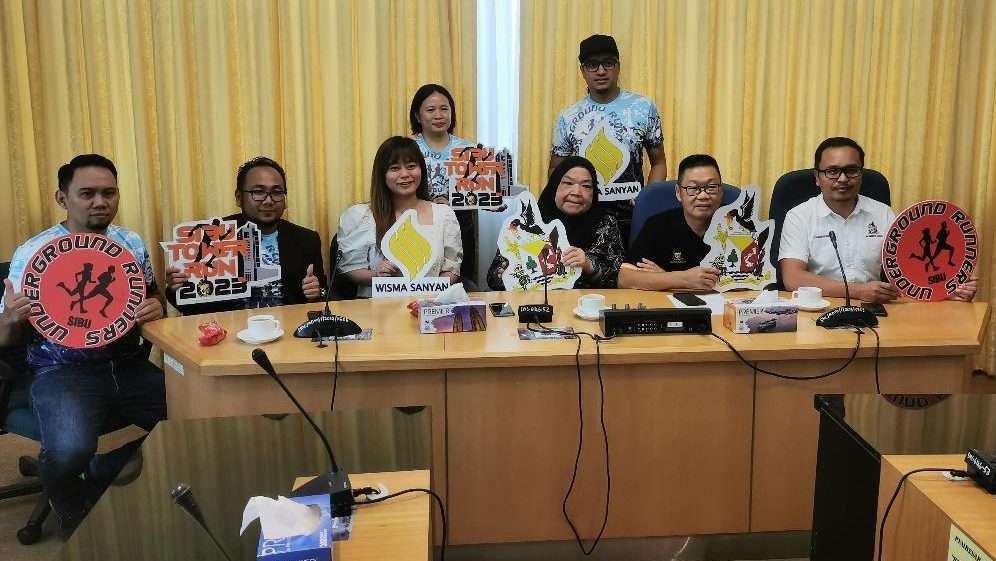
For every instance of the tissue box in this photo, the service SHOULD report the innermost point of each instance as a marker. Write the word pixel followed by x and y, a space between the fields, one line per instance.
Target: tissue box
pixel 743 316
pixel 316 546
pixel 452 318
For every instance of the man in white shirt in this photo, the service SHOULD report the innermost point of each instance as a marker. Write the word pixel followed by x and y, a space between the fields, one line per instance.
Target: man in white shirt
pixel 807 256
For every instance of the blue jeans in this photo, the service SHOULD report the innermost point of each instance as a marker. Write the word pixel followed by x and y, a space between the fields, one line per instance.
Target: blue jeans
pixel 72 404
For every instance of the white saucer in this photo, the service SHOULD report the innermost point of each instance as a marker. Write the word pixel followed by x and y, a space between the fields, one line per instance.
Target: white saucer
pixel 824 304
pixel 590 317
pixel 246 338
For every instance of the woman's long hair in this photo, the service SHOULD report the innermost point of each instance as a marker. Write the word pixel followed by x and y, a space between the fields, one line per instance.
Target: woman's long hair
pixel 580 229
pixel 397 149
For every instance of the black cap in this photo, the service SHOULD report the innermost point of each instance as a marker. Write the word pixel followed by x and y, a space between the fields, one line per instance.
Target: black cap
pixel 597 44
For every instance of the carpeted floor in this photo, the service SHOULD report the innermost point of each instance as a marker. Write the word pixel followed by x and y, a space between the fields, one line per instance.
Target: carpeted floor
pixel 14 512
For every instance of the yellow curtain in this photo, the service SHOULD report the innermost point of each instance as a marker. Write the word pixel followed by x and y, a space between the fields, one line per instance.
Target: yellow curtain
pixel 179 93
pixel 759 83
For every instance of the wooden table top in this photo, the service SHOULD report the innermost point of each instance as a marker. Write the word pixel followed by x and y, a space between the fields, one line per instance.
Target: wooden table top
pixel 394 529
pixel 967 505
pixel 911 329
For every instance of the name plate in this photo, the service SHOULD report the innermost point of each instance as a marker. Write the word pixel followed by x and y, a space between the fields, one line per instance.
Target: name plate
pixel 388 287
pixel 618 191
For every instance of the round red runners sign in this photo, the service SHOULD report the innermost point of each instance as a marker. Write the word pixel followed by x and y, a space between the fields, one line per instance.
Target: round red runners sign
pixel 929 250
pixel 84 289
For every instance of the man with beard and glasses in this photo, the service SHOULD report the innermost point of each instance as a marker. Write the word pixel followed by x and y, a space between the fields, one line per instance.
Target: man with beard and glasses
pixel 261 193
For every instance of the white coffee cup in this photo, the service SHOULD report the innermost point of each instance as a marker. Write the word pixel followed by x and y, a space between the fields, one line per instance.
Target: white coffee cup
pixel 263 326
pixel 591 304
pixel 808 295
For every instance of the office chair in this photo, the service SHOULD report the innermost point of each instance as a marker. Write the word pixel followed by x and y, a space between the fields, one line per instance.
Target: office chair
pixel 16 417
pixel 659 197
pixel 797 187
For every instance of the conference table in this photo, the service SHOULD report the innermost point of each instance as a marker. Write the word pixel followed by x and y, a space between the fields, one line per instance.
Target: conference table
pixel 933 517
pixel 228 460
pixel 700 442
pixel 864 439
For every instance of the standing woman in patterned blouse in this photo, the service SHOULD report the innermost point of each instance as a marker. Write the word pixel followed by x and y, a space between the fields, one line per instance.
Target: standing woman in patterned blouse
pixel 432 116
pixel 570 196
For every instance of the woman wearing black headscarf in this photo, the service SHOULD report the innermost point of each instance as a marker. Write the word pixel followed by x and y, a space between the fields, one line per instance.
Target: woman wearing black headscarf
pixel 571 195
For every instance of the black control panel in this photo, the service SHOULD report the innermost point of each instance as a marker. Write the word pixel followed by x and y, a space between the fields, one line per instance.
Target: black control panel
pixel 656 321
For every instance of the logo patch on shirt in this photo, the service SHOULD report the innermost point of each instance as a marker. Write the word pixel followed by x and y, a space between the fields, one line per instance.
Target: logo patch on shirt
pixel 677 256
pixel 873 230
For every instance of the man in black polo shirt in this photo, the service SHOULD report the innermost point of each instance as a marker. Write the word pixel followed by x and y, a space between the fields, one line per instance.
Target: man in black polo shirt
pixel 666 253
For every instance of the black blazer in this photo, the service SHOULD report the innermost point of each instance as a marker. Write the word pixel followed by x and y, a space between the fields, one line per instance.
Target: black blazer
pixel 298 247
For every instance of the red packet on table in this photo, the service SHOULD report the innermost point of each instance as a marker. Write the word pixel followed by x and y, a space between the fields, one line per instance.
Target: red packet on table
pixel 413 308
pixel 212 333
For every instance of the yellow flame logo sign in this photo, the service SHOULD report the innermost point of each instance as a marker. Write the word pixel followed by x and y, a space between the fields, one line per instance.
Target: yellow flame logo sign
pixel 407 246
pixel 608 158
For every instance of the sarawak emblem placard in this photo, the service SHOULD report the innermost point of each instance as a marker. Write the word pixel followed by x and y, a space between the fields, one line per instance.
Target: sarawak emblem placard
pixel 534 250
pixel 479 177
pixel 84 289
pixel 223 259
pixel 611 159
pixel 929 250
pixel 740 244
pixel 413 251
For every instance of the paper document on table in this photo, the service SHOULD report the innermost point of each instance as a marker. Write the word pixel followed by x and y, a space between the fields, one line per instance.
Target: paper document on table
pixel 714 302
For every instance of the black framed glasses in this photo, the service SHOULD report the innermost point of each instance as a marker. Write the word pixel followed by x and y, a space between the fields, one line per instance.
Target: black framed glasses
pixel 850 171
pixel 606 63
pixel 260 195
pixel 694 190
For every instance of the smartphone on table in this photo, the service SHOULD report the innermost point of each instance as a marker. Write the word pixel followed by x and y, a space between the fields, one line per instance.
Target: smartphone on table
pixel 501 309
pixel 689 299
pixel 875 308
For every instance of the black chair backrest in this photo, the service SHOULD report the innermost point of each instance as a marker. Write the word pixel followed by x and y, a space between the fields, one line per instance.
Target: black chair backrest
pixel 797 187
pixel 12 363
pixel 342 288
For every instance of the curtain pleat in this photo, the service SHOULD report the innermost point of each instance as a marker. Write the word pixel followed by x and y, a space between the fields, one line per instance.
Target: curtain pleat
pixel 180 92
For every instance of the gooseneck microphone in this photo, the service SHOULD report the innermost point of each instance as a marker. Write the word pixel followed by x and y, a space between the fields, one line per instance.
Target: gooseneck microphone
pixel 183 496
pixel 335 271
pixel 335 482
pixel 539 313
pixel 328 324
pixel 846 315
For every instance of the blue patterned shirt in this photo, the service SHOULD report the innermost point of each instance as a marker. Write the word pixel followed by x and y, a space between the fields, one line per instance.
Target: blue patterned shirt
pixel 272 293
pixel 41 351
pixel 435 162
pixel 631 119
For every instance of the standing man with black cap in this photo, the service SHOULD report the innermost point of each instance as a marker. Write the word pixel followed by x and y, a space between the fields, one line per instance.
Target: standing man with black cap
pixel 611 127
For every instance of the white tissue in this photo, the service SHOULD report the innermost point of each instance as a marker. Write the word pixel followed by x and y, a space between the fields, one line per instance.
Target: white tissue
pixel 281 518
pixel 452 295
pixel 766 297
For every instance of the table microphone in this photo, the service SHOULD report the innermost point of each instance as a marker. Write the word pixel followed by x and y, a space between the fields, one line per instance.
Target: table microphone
pixel 539 313
pixel 335 482
pixel 846 315
pixel 183 496
pixel 328 324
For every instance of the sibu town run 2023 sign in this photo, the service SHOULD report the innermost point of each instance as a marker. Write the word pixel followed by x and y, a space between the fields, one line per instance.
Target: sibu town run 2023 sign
pixel 929 250
pixel 84 289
